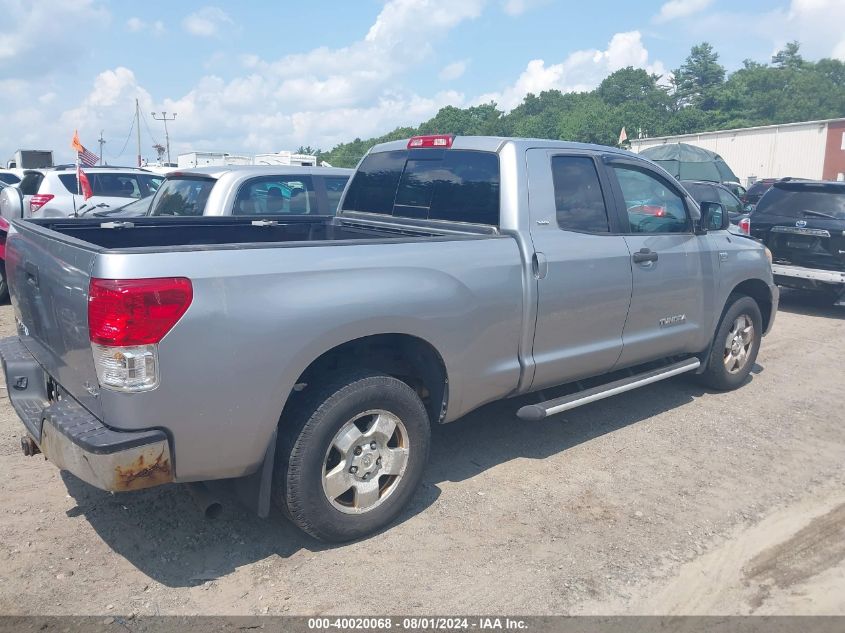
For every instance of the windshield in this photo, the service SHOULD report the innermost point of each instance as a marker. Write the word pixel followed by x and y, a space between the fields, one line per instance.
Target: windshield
pixel 182 196
pixel 805 201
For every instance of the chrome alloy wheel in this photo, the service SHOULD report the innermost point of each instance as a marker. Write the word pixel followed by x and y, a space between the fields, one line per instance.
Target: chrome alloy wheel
pixel 738 344
pixel 365 461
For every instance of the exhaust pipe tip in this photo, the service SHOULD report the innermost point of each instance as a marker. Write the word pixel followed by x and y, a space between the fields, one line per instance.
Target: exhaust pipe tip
pixel 208 503
pixel 213 510
pixel 29 447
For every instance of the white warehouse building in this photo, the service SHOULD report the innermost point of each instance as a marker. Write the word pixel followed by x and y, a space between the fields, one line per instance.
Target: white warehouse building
pixel 218 159
pixel 810 149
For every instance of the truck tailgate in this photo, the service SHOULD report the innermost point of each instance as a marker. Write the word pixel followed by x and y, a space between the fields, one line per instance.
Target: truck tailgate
pixel 48 282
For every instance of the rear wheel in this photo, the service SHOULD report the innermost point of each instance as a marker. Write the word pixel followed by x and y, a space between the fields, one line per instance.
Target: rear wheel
pixel 735 346
pixel 4 286
pixel 351 455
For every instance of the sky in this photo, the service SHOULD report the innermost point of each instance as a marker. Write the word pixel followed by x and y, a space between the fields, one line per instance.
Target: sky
pixel 265 76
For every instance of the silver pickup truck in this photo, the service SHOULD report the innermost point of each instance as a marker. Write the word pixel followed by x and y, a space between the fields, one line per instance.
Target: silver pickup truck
pixel 310 356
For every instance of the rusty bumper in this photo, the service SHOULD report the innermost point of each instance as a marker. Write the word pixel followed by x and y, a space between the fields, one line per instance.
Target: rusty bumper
pixel 76 441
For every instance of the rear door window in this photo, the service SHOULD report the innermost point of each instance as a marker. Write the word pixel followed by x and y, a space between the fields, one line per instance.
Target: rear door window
pixel 182 196
pixel 114 185
pixel 455 185
pixel 729 201
pixel 274 195
pixel 579 202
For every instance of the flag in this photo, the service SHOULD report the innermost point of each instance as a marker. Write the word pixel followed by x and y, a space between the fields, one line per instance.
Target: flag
pixel 623 136
pixel 84 184
pixel 85 157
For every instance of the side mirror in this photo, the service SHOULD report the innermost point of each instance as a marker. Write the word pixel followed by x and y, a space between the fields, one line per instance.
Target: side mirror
pixel 713 217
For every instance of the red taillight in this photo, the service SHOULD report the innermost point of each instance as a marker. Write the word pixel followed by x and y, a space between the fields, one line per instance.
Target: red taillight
pixel 431 140
pixel 745 225
pixel 123 312
pixel 39 200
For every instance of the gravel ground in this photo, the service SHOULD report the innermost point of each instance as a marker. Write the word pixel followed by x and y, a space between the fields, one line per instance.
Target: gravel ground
pixel 670 499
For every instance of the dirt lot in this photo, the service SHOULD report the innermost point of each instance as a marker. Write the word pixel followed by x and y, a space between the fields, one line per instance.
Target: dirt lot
pixel 666 500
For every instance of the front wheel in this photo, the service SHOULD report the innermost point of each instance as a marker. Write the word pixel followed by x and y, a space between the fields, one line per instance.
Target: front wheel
pixel 735 346
pixel 351 455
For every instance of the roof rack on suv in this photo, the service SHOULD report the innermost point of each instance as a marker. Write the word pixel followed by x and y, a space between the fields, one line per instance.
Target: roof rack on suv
pixel 73 166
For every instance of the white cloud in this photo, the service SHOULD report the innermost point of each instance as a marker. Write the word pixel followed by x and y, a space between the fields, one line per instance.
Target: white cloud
pixel 816 24
pixel 675 9
pixel 453 71
pixel 30 26
pixel 581 71
pixel 318 98
pixel 207 22
pixel 518 7
pixel 136 25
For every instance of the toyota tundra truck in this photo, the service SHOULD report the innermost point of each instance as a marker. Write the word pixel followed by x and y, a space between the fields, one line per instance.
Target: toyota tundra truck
pixel 310 356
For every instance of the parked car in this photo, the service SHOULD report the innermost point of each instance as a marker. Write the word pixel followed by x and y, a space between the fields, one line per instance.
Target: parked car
pixel 56 190
pixel 704 191
pixel 310 355
pixel 756 191
pixel 8 177
pixel 735 188
pixel 251 190
pixel 802 222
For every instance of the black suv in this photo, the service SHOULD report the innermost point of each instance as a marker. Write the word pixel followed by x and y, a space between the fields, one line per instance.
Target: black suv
pixel 803 224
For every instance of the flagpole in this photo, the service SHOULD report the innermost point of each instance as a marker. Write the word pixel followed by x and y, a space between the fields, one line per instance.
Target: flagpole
pixel 78 186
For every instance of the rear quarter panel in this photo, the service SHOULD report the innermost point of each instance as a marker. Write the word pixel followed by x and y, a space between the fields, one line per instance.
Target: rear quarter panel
pixel 260 316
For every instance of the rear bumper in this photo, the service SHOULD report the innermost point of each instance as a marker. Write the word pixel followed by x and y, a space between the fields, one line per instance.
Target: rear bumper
pixel 810 274
pixel 76 441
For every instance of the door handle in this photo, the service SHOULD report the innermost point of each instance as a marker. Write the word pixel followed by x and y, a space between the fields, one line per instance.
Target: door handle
pixel 539 265
pixel 644 255
pixel 31 272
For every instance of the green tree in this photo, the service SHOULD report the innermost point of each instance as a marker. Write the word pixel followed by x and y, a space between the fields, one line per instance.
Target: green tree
pixel 699 78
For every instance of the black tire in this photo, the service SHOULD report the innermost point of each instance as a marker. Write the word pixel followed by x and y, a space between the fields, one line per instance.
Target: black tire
pixel 717 375
pixel 306 434
pixel 4 286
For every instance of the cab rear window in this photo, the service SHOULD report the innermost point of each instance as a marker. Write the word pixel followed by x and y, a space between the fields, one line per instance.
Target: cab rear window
pixel 433 184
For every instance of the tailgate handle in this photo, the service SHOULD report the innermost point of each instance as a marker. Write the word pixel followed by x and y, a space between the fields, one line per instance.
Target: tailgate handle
pixel 31 271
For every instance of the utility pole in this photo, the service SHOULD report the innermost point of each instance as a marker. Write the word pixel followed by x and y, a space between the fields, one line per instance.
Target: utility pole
pixel 166 135
pixel 102 142
pixel 138 126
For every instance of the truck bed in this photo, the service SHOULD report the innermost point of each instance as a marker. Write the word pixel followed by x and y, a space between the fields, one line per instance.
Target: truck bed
pixel 184 233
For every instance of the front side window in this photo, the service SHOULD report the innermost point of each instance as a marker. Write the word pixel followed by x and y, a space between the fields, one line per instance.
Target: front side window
pixel 651 205
pixel 273 195
pixel 579 201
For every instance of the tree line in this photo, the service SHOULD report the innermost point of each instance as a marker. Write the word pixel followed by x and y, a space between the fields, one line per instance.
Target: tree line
pixel 700 96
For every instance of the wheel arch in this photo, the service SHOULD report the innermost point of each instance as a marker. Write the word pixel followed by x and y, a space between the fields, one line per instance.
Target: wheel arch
pixel 406 357
pixel 758 290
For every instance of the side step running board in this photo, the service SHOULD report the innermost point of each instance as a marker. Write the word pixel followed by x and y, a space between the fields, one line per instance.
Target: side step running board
pixel 539 411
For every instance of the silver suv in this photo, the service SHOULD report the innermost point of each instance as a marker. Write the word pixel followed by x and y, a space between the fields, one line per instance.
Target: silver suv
pixel 53 192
